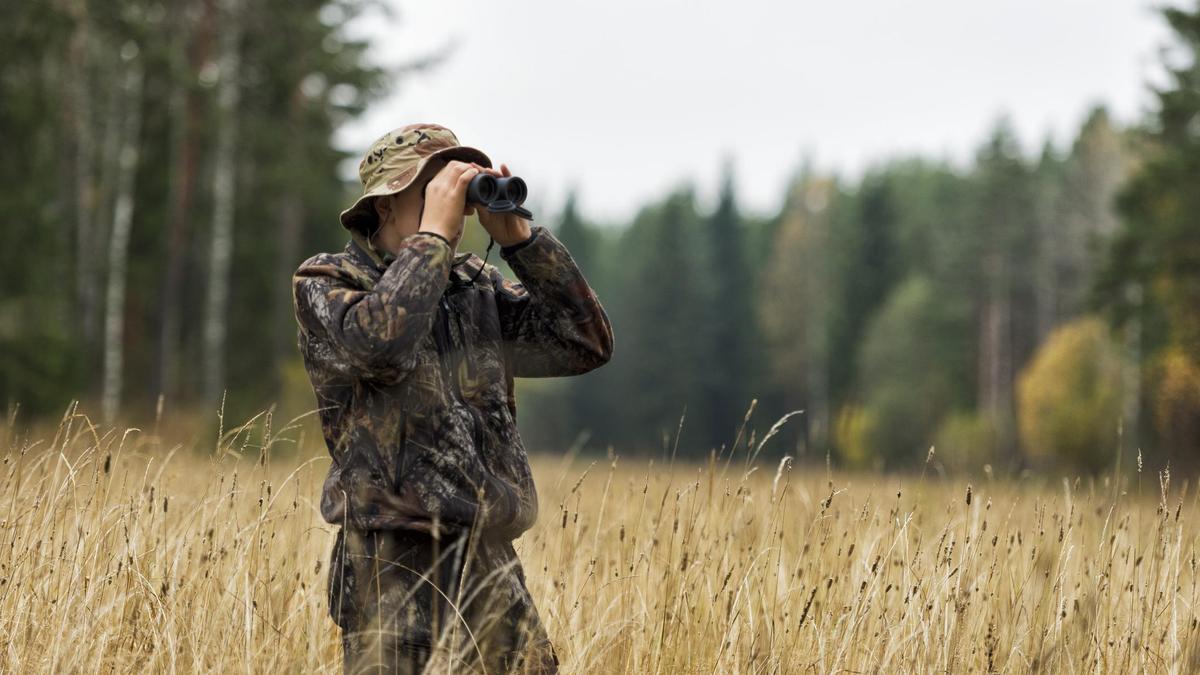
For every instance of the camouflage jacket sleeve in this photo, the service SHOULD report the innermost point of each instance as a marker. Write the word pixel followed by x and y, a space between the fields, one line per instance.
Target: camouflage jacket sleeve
pixel 551 321
pixel 371 331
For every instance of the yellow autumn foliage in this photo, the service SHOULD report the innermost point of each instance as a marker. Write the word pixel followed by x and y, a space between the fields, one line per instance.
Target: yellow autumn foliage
pixel 1069 396
pixel 852 434
pixel 1176 403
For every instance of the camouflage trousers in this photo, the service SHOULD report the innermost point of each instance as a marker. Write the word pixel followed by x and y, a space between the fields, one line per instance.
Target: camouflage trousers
pixel 407 602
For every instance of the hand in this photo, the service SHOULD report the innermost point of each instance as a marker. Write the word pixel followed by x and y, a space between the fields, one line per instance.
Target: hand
pixel 445 200
pixel 506 228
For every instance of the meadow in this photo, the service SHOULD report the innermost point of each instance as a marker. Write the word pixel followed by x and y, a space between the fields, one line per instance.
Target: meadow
pixel 121 551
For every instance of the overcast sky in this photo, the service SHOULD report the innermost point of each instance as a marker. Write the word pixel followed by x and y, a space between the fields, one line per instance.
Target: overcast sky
pixel 625 99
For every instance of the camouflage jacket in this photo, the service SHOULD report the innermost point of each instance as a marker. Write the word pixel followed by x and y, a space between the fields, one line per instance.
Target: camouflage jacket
pixel 412 364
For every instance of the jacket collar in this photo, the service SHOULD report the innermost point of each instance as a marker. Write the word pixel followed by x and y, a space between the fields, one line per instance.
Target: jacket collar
pixel 367 253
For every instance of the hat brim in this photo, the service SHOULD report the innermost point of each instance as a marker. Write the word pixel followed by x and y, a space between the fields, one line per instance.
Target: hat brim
pixel 361 215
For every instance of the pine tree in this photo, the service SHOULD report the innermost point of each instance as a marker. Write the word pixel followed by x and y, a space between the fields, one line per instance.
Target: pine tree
pixel 731 332
pixel 864 272
pixel 584 402
pixel 1151 281
pixel 1099 163
pixel 657 320
pixel 794 304
pixel 1005 222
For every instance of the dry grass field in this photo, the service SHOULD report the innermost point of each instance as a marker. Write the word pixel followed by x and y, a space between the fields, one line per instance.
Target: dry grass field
pixel 120 552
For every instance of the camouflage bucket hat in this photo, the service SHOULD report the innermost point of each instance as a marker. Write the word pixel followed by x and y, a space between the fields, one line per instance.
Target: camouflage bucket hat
pixel 397 160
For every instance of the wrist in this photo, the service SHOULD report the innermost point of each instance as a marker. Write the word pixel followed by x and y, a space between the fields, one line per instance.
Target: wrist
pixel 506 251
pixel 439 235
pixel 442 232
pixel 523 233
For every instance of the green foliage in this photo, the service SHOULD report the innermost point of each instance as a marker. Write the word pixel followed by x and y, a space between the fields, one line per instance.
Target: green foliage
pixel 661 308
pixel 967 441
pixel 1070 397
pixel 794 306
pixel 729 329
pixel 865 261
pixel 300 77
pixel 910 366
pixel 1150 284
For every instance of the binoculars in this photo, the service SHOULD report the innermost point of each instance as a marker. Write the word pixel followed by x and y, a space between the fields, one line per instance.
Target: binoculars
pixel 499 195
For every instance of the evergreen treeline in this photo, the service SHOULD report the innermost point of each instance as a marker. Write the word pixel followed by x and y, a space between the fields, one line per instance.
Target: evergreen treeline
pixel 898 311
pixel 174 164
pixel 167 163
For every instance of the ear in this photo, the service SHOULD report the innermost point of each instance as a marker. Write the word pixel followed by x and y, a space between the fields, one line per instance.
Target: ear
pixel 383 207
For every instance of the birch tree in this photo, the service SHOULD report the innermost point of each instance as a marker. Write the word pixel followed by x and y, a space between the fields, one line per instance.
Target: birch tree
pixel 122 221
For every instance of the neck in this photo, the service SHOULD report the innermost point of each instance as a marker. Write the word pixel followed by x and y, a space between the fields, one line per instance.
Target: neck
pixel 387 239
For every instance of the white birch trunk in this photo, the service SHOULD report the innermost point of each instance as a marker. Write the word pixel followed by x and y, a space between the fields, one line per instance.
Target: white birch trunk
pixel 224 200
pixel 109 174
pixel 118 245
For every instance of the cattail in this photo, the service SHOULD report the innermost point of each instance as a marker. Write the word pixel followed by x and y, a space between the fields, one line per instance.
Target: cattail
pixel 807 606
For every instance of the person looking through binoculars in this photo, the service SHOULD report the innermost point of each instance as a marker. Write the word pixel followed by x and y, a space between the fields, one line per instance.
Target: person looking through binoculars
pixel 412 348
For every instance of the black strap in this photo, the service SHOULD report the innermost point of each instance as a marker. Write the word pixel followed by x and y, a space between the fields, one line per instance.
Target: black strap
pixel 486 253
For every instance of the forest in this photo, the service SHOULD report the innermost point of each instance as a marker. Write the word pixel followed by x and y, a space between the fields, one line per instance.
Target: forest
pixel 169 163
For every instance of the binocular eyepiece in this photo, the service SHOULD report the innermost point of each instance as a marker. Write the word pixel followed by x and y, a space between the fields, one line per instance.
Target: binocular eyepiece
pixel 499 195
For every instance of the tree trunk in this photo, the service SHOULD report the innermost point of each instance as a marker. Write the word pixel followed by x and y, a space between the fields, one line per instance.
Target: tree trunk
pixel 105 206
pixel 291 221
pixel 995 379
pixel 1046 283
pixel 186 117
pixel 224 200
pixel 79 121
pixel 118 249
pixel 1131 391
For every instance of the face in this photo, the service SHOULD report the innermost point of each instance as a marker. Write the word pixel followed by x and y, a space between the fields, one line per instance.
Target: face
pixel 401 212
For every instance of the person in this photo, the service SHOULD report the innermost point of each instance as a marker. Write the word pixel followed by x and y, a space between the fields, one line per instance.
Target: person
pixel 411 349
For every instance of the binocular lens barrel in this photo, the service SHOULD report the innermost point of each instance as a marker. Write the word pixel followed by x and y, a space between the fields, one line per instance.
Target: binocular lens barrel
pixel 483 189
pixel 513 189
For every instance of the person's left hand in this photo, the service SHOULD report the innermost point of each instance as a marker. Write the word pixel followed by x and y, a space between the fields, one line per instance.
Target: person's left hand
pixel 505 228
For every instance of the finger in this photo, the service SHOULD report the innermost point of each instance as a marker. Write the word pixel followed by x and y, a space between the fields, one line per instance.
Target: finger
pixel 487 170
pixel 505 170
pixel 464 174
pixel 464 179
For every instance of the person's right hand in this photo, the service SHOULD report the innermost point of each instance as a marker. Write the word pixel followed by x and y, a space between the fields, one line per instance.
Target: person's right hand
pixel 445 200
